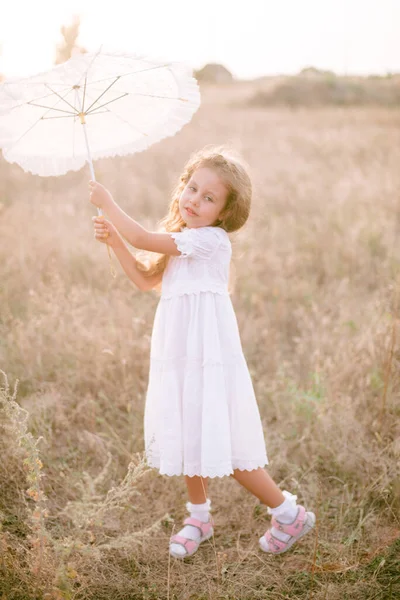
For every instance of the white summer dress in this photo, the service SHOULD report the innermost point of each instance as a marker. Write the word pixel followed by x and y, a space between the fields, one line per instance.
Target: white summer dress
pixel 201 416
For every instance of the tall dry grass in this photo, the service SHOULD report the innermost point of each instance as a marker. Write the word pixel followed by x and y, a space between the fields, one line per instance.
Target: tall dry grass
pixel 316 297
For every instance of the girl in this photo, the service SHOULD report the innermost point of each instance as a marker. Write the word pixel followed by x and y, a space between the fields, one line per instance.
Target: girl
pixel 201 415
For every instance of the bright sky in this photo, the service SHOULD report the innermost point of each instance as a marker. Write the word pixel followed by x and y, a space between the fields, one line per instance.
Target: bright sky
pixel 250 37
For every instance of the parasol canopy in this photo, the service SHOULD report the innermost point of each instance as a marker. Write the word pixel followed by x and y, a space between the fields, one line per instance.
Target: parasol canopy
pixel 94 105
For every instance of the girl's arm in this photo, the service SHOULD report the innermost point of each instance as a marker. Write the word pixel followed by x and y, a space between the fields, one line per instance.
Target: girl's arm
pixel 129 264
pixel 106 233
pixel 134 233
pixel 138 236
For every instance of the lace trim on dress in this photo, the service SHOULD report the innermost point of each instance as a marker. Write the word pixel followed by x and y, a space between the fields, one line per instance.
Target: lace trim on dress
pixel 221 470
pixel 201 242
pixel 182 242
pixel 204 288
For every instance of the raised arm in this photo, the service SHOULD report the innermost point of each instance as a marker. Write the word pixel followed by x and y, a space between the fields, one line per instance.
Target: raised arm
pixel 131 230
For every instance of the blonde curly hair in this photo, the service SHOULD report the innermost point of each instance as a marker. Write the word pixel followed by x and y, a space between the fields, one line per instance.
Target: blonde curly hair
pixel 233 172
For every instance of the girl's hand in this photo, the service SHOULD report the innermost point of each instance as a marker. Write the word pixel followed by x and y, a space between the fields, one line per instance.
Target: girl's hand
pixel 99 195
pixel 105 232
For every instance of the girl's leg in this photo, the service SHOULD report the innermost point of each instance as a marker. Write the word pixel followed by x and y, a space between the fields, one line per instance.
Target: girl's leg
pixel 197 489
pixel 198 507
pixel 281 505
pixel 259 483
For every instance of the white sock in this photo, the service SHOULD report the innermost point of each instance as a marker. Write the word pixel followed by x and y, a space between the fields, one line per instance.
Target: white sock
pixel 197 511
pixel 285 513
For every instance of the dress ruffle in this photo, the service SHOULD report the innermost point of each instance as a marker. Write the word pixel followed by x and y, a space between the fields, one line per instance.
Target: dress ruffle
pixel 199 242
pixel 183 243
pixel 187 290
pixel 211 471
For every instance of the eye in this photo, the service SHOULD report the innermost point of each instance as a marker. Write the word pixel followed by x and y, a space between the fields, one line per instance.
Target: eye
pixel 192 188
pixel 209 198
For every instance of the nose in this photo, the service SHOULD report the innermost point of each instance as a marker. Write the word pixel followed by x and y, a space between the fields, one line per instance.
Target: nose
pixel 194 202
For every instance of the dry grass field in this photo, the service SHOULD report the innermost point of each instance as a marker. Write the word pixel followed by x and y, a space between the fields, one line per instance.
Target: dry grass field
pixel 317 301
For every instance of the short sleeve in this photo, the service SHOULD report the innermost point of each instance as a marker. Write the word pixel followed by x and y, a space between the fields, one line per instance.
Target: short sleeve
pixel 200 242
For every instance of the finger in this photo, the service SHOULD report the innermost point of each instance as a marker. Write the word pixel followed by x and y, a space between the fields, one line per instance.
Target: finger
pixel 100 225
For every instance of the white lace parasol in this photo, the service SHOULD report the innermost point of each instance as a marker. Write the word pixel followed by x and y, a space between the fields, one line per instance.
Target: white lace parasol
pixel 93 106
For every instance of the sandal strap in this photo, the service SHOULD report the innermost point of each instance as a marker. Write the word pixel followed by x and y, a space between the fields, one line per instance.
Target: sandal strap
pixel 274 544
pixel 296 526
pixel 203 527
pixel 188 544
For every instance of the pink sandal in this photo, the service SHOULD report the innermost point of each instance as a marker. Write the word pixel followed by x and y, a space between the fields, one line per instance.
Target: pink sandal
pixel 302 524
pixel 206 530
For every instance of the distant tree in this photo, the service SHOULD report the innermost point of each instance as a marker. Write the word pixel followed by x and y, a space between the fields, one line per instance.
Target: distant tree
pixel 214 73
pixel 68 47
pixel 314 72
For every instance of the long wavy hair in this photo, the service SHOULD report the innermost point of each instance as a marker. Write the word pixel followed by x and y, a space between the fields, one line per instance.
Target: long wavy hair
pixel 233 172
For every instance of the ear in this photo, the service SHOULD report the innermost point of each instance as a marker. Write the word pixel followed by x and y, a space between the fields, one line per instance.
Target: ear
pixel 222 216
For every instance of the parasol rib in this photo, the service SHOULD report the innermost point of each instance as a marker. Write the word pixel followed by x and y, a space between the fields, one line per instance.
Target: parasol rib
pixel 35 123
pixel 57 109
pixel 63 99
pixel 105 104
pixel 72 116
pixel 105 91
pixel 84 96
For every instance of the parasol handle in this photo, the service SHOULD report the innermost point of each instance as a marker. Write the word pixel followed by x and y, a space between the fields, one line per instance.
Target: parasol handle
pixel 99 211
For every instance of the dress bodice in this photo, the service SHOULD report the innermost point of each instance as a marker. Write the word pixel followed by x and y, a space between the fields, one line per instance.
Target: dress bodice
pixel 202 266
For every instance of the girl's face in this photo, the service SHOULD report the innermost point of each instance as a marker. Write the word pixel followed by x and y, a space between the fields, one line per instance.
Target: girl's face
pixel 203 198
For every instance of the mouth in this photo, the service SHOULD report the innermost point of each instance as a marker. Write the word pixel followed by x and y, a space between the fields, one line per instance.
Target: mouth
pixel 190 212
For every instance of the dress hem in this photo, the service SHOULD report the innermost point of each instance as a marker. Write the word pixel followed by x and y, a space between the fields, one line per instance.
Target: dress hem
pixel 250 466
